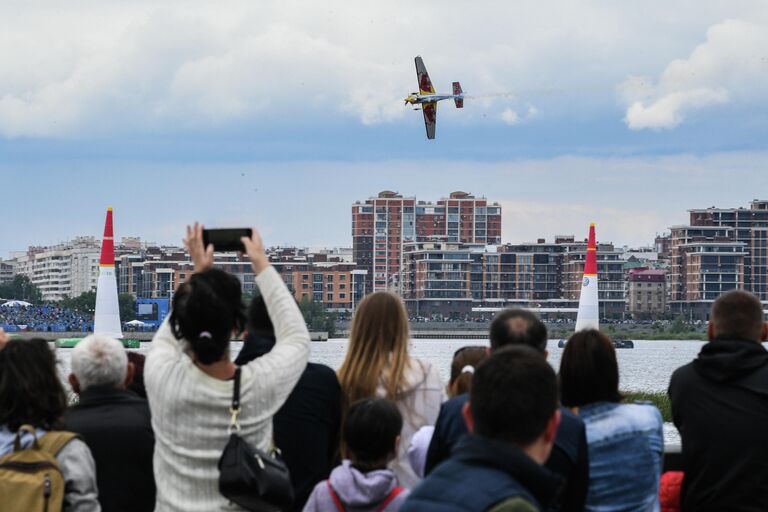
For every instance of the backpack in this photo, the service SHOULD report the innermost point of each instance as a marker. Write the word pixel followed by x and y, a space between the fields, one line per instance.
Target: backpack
pixel 382 506
pixel 30 478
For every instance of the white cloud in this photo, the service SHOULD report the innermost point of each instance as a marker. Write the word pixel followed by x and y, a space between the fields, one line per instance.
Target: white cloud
pixel 108 66
pixel 510 117
pixel 730 66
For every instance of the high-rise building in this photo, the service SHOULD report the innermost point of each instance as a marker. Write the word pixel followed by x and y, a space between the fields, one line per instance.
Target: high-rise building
pixel 382 226
pixel 721 249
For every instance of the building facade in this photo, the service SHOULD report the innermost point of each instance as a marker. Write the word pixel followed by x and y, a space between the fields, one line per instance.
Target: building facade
pixel 462 280
pixel 382 226
pixel 646 293
pixel 721 249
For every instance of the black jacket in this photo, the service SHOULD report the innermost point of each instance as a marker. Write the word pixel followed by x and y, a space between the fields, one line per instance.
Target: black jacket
pixel 720 407
pixel 480 474
pixel 306 428
pixel 569 457
pixel 116 426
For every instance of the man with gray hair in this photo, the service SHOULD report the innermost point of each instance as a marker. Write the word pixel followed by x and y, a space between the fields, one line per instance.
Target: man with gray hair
pixel 114 422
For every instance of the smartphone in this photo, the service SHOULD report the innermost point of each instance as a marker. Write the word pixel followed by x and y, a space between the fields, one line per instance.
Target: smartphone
pixel 226 240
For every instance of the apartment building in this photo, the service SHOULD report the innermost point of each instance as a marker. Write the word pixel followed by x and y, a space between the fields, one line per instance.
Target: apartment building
pixel 646 292
pixel 721 249
pixel 6 271
pixel 454 279
pixel 382 226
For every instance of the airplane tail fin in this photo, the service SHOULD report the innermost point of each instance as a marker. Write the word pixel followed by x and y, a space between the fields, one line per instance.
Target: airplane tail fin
pixel 457 90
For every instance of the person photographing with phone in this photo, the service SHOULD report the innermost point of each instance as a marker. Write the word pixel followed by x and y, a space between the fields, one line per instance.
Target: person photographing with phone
pixel 189 375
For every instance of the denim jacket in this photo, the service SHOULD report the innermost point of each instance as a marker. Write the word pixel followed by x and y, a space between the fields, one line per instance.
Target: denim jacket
pixel 626 446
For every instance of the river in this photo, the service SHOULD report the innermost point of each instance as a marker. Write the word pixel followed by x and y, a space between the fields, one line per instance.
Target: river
pixel 647 367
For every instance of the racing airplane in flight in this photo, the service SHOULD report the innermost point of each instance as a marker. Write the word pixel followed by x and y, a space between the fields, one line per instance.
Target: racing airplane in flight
pixel 428 98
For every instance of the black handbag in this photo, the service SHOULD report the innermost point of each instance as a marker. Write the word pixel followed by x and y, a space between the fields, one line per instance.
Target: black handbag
pixel 248 476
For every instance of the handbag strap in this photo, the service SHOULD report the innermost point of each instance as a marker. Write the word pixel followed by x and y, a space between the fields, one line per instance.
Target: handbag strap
pixel 234 409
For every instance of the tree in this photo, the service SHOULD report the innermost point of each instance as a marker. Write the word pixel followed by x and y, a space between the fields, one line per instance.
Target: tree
pixel 127 307
pixel 20 288
pixel 83 303
pixel 316 317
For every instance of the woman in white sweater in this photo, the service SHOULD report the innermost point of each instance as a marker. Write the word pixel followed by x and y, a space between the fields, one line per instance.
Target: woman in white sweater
pixel 377 364
pixel 188 375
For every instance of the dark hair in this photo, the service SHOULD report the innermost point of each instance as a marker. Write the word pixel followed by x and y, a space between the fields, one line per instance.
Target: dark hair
pixel 30 389
pixel 209 304
pixel 514 395
pixel 259 322
pixel 370 430
pixel 589 371
pixel 737 315
pixel 518 327
pixel 137 384
pixel 461 382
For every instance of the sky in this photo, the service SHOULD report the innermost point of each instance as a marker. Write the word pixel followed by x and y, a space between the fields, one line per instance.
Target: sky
pixel 282 114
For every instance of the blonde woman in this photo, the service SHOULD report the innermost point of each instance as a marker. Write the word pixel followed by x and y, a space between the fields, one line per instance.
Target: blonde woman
pixel 377 364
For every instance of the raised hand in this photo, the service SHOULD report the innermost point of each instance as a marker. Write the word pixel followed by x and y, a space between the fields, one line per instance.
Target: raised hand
pixel 202 257
pixel 254 248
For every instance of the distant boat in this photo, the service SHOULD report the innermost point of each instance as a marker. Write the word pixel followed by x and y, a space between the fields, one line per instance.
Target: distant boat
pixel 617 343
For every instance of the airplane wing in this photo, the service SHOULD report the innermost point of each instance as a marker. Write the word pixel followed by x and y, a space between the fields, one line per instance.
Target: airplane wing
pixel 430 118
pixel 425 84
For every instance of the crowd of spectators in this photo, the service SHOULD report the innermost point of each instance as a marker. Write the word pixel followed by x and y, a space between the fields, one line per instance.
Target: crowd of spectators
pixel 43 318
pixel 507 434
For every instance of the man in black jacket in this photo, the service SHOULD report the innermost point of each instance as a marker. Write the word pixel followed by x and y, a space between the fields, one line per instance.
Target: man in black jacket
pixel 720 407
pixel 569 457
pixel 513 417
pixel 306 428
pixel 115 424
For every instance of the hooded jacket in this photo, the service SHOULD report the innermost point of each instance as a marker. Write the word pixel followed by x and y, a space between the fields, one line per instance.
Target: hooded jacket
pixel 357 491
pixel 484 474
pixel 419 403
pixel 720 406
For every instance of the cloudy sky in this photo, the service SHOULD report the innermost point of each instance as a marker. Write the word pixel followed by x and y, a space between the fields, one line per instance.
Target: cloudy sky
pixel 281 114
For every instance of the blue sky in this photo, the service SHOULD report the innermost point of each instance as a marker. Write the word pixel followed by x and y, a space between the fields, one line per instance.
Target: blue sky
pixel 282 114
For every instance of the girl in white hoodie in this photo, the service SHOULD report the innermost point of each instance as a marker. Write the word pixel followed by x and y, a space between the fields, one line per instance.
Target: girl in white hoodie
pixel 377 364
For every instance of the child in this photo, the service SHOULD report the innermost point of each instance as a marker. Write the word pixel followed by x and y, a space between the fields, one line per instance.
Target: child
pixel 371 435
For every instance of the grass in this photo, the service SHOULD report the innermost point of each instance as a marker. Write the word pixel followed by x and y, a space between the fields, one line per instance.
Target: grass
pixel 660 400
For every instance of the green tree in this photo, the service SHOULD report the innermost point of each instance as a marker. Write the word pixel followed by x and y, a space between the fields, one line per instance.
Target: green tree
pixel 316 317
pixel 127 307
pixel 20 288
pixel 83 303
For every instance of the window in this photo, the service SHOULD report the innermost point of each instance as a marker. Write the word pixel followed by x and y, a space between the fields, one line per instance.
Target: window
pixel 342 277
pixel 330 297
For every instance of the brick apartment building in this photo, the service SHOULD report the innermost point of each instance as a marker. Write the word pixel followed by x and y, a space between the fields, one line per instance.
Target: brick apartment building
pixel 646 292
pixel 383 225
pixel 452 279
pixel 721 249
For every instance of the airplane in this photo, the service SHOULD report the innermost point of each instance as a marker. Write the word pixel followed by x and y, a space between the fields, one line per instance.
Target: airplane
pixel 428 98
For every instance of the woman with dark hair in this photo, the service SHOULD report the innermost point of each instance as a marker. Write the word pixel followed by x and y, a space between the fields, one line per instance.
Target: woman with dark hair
pixel 465 360
pixel 188 375
pixel 31 394
pixel 625 441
